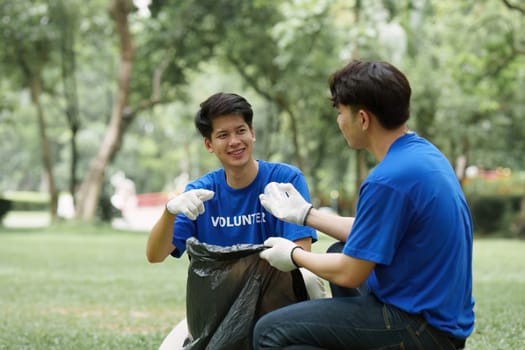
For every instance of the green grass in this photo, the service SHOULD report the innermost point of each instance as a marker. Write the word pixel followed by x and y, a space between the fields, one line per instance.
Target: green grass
pixel 499 289
pixel 87 290
pixel 88 287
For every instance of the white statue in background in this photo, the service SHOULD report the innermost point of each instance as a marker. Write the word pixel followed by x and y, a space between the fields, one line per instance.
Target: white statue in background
pixel 125 196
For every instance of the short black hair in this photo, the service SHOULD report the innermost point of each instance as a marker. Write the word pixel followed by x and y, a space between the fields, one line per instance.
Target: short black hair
pixel 221 104
pixel 376 86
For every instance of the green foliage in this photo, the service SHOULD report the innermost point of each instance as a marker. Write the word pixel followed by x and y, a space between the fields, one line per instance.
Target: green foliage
pixel 495 201
pixel 464 59
pixel 28 33
pixel 469 75
pixel 501 181
pixel 494 214
pixel 27 200
pixel 5 206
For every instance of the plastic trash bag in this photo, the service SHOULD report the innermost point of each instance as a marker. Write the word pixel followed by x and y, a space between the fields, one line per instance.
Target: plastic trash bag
pixel 228 290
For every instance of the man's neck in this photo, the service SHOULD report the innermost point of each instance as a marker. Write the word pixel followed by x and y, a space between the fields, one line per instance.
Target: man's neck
pixel 384 139
pixel 242 176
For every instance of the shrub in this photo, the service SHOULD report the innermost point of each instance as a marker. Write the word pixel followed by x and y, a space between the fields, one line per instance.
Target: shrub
pixel 493 214
pixel 5 206
pixel 27 200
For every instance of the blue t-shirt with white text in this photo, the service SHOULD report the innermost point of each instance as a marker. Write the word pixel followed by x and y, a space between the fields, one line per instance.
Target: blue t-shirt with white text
pixel 235 216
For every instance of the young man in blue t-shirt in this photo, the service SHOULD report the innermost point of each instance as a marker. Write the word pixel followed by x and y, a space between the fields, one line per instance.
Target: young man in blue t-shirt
pixel 222 207
pixel 410 243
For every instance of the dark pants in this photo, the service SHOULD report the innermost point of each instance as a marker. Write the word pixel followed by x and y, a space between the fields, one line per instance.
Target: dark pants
pixel 356 320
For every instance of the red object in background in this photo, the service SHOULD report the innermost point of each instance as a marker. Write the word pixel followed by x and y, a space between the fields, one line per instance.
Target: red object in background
pixel 152 199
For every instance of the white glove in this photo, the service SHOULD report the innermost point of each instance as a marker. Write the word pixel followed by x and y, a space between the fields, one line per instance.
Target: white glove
pixel 285 203
pixel 189 203
pixel 279 253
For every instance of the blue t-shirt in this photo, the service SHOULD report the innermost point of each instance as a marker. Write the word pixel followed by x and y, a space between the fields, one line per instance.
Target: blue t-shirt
pixel 413 221
pixel 235 216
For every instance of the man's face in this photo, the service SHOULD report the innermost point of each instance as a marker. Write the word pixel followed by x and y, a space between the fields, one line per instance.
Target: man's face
pixel 351 126
pixel 231 140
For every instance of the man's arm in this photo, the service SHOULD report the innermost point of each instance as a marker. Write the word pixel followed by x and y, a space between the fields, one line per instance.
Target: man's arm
pixel 333 225
pixel 160 244
pixel 337 268
pixel 305 243
pixel 287 204
pixel 160 240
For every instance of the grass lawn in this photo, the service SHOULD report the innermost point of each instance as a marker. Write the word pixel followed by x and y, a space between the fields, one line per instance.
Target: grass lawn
pixel 74 287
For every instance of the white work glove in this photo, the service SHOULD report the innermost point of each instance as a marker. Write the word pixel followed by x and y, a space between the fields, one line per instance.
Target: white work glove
pixel 189 203
pixel 285 203
pixel 279 253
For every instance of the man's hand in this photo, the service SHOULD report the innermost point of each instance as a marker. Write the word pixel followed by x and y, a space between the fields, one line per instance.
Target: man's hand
pixel 279 253
pixel 285 203
pixel 189 203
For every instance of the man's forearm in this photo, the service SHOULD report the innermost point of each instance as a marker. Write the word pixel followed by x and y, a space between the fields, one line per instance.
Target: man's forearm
pixel 337 268
pixel 160 244
pixel 333 225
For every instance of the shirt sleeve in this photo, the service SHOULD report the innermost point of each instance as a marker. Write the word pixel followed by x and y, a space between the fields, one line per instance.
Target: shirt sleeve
pixel 382 218
pixel 182 230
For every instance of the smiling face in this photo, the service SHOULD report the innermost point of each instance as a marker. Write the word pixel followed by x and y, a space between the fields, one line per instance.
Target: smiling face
pixel 231 141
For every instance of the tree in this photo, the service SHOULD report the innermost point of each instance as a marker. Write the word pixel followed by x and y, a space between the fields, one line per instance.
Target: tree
pixel 27 36
pixel 290 52
pixel 165 54
pixel 89 191
pixel 464 60
pixel 63 16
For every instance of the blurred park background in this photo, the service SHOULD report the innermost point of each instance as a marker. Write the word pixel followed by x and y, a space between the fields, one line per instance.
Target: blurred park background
pixel 96 132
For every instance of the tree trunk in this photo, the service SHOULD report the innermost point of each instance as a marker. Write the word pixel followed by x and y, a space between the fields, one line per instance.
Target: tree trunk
pixel 284 105
pixel 36 87
pixel 462 162
pixel 89 191
pixel 361 169
pixel 68 66
pixel 519 227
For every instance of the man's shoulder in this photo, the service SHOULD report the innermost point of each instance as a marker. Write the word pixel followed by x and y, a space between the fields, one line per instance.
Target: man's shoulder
pixel 279 172
pixel 207 180
pixel 279 166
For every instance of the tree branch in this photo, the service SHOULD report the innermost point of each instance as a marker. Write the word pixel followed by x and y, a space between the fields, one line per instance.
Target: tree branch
pixel 130 113
pixel 514 7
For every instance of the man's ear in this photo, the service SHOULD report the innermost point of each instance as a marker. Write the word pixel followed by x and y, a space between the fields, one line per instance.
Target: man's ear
pixel 207 144
pixel 253 134
pixel 364 119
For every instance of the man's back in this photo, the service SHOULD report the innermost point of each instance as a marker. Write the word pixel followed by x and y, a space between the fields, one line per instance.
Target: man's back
pixel 419 218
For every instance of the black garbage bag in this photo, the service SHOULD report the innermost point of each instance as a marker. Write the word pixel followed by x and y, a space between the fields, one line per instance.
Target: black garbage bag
pixel 228 290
